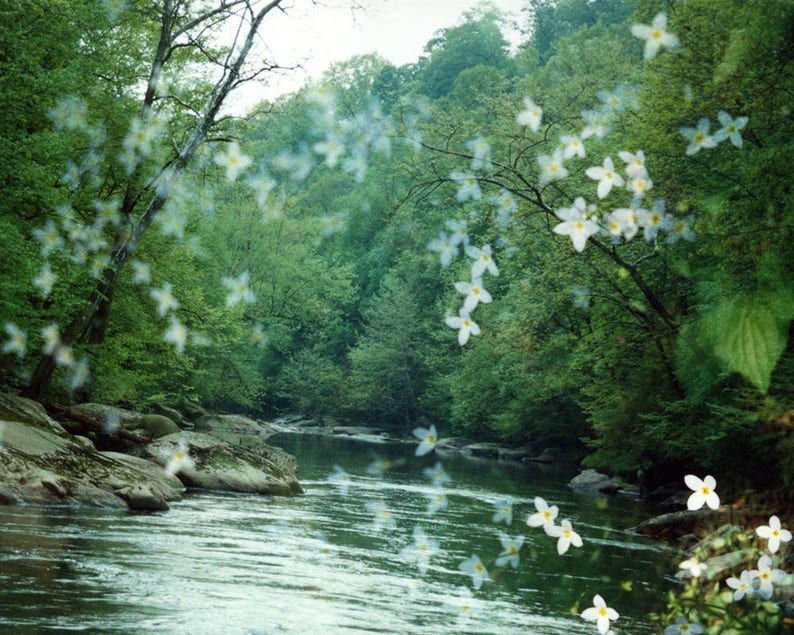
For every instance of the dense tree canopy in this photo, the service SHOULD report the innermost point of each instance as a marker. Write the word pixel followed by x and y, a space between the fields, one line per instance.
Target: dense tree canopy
pixel 308 257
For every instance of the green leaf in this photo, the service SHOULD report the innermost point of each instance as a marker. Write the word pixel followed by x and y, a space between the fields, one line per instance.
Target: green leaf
pixel 750 335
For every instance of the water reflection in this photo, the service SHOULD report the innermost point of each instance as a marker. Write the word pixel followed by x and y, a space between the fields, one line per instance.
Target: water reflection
pixel 321 563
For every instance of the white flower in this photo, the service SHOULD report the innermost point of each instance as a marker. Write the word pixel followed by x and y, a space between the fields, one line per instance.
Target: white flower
pixel 774 534
pixel 465 325
pixel 596 124
pixel 551 167
pixel 233 160
pixel 341 478
pixel 681 228
pixel 51 337
pixel 443 245
pixel 566 536
pixel 695 567
pixel 601 614
pixel 635 164
pixel 332 148
pixel 79 375
pixel 179 459
pixel 606 177
pixel 698 137
pixel 476 569
pixel 49 237
pixel 141 272
pixel 683 627
pixel 469 186
pixel 176 334
pixel 704 493
pixel 474 292
pixel 504 512
pixel 483 261
pixel 238 289
pixel 482 153
pixel 572 147
pixel 437 474
pixel 427 437
pixel 731 128
pixel 653 220
pixel 655 36
pixel 421 551
pixel 576 223
pixel 510 549
pixel 383 518
pixel 458 232
pixel 45 281
pixel 531 115
pixel 465 605
pixel 544 516
pixel 165 300
pixel 435 501
pixel 17 340
pixel 622 221
pixel 767 577
pixel 743 585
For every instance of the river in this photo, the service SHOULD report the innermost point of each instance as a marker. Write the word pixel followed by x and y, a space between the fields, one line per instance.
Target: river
pixel 319 563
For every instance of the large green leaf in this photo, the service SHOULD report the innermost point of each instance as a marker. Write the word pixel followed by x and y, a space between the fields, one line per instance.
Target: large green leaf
pixel 749 333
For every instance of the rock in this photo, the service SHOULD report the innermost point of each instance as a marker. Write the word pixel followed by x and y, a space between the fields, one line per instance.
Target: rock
pixel 675 525
pixel 41 463
pixel 14 408
pixel 451 443
pixel 550 455
pixel 7 497
pixel 167 411
pixel 156 426
pixel 482 450
pixel 141 498
pixel 514 454
pixel 110 416
pixel 593 481
pixel 191 410
pixel 216 464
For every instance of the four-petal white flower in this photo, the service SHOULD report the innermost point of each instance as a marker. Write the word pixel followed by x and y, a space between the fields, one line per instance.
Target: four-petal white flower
pixel 774 533
pixel 601 614
pixel 703 492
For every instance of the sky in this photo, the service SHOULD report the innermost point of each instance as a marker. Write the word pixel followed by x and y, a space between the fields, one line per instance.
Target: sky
pixel 315 35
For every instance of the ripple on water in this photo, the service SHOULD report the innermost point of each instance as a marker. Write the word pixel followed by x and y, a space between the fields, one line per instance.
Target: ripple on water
pixel 319 563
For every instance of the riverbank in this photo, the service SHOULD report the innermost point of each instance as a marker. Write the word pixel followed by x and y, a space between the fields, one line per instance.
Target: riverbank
pixel 104 456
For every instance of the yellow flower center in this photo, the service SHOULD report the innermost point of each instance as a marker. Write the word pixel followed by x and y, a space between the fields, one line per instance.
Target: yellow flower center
pixel 431 438
pixel 608 175
pixel 602 612
pixel 705 490
pixel 775 533
pixel 656 34
pixel 478 568
pixel 579 225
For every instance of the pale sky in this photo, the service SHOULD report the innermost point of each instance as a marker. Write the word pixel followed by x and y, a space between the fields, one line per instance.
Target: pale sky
pixel 317 35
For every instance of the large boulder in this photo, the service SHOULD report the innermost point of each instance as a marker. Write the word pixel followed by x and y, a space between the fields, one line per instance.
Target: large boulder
pixel 43 464
pixel 593 481
pixel 156 426
pixel 209 462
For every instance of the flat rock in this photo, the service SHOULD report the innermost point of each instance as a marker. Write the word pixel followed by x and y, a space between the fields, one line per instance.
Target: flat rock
pixel 216 464
pixel 41 463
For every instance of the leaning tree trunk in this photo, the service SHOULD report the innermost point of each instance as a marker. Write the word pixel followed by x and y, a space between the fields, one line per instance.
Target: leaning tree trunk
pixel 90 324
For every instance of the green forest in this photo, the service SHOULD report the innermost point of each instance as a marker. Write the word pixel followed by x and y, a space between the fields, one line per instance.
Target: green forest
pixel 584 243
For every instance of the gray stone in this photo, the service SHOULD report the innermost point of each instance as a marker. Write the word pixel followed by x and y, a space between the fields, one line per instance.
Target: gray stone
pixel 482 450
pixel 156 426
pixel 141 498
pixel 40 463
pixel 593 481
pixel 215 464
pixel 167 411
pixel 111 416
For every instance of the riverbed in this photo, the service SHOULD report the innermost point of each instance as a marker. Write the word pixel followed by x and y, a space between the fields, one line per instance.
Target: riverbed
pixel 341 558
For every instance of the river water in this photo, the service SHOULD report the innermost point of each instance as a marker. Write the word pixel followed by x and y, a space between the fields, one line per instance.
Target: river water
pixel 320 563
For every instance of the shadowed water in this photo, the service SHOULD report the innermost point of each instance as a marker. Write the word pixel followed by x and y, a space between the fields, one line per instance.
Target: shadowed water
pixel 222 563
